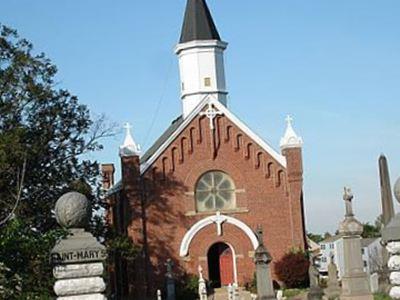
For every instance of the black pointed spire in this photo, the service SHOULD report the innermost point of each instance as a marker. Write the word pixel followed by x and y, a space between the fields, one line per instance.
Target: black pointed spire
pixel 198 23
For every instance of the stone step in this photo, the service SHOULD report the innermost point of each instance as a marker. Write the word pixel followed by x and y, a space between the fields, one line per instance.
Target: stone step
pixel 222 294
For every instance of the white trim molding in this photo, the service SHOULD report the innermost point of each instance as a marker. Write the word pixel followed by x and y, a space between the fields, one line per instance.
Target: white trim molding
pixel 220 107
pixel 217 219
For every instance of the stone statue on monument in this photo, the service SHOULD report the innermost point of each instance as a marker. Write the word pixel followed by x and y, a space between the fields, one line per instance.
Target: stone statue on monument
pixel 348 198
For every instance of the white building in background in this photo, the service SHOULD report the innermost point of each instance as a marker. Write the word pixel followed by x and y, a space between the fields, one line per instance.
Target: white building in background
pixel 372 254
pixel 313 247
pixel 332 248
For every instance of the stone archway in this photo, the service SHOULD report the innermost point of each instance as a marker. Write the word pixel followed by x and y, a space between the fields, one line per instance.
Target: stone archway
pixel 218 220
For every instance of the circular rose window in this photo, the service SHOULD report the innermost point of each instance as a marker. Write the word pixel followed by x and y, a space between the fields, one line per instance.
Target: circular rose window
pixel 215 190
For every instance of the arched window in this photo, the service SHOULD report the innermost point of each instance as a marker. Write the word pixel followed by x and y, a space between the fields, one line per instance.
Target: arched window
pixel 215 190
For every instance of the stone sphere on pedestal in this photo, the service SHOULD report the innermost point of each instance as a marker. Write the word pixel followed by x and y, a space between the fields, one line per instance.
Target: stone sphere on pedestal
pixel 72 210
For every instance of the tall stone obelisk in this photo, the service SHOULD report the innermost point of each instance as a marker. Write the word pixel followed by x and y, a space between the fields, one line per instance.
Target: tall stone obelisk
pixel 386 192
pixel 355 284
pixel 387 215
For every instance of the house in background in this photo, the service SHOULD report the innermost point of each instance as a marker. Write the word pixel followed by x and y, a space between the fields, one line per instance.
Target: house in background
pixel 329 249
pixel 313 247
pixel 332 248
pixel 372 254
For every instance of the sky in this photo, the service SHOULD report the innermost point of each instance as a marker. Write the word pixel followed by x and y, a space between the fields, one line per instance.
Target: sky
pixel 332 65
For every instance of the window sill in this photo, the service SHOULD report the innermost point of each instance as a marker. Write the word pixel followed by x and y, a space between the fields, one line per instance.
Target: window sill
pixel 239 210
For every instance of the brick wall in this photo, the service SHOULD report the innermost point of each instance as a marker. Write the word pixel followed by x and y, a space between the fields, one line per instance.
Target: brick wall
pixel 267 194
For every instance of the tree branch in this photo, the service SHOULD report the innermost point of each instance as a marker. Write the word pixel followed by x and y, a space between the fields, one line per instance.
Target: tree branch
pixel 17 196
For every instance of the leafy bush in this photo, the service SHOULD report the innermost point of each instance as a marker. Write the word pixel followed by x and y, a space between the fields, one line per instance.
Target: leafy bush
pixel 187 287
pixel 25 270
pixel 122 245
pixel 251 286
pixel 292 270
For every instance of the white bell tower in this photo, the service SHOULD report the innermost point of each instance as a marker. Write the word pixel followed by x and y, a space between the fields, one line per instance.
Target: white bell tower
pixel 201 58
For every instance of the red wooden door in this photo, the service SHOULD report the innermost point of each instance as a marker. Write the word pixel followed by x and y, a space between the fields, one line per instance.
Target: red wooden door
pixel 226 265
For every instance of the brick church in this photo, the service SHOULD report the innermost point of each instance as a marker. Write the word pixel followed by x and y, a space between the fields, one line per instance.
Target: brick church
pixel 198 194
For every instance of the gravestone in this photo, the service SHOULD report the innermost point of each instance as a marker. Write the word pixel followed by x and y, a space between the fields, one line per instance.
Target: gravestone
pixel 230 292
pixel 374 282
pixel 262 259
pixel 391 239
pixel 355 283
pixel 236 294
pixel 315 292
pixel 159 296
pixel 170 280
pixel 333 289
pixel 77 259
pixel 202 285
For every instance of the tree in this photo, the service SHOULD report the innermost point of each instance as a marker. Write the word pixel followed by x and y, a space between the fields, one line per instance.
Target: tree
pixel 370 231
pixel 292 269
pixel 315 237
pixel 44 133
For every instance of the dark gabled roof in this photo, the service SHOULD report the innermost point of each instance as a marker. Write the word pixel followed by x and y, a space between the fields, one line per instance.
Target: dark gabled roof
pixel 198 23
pixel 167 133
pixel 331 239
pixel 365 242
pixel 149 153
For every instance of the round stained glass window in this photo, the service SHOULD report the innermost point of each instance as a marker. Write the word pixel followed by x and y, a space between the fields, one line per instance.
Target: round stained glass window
pixel 215 190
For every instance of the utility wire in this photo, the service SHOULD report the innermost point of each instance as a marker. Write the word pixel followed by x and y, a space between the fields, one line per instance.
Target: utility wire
pixel 160 100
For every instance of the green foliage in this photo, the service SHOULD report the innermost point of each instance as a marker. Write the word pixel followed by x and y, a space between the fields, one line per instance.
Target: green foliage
pixel 122 245
pixel 187 287
pixel 25 259
pixel 370 231
pixel 381 296
pixel 290 293
pixel 44 132
pixel 252 285
pixel 10 284
pixel 315 237
pixel 292 269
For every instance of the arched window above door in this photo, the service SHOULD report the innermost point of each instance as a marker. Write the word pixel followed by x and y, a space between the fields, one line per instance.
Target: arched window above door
pixel 215 190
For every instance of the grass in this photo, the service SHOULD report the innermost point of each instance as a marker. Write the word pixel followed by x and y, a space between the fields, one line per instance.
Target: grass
pixel 290 293
pixel 381 296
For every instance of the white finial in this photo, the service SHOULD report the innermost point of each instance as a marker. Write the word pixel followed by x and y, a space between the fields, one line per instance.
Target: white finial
pixel 129 147
pixel 290 139
pixel 200 272
pixel 289 120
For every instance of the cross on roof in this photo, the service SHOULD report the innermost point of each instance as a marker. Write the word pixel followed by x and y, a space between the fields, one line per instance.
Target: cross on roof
pixel 289 119
pixel 128 126
pixel 211 113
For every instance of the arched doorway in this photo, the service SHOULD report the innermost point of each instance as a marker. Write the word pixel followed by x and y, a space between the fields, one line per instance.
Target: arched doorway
pixel 220 265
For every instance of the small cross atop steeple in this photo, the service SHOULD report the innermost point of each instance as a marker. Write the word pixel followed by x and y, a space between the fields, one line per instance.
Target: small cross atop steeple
pixel 290 139
pixel 289 120
pixel 128 127
pixel 129 147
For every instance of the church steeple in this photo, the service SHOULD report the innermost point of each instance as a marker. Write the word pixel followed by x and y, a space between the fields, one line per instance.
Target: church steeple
pixel 201 58
pixel 198 23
